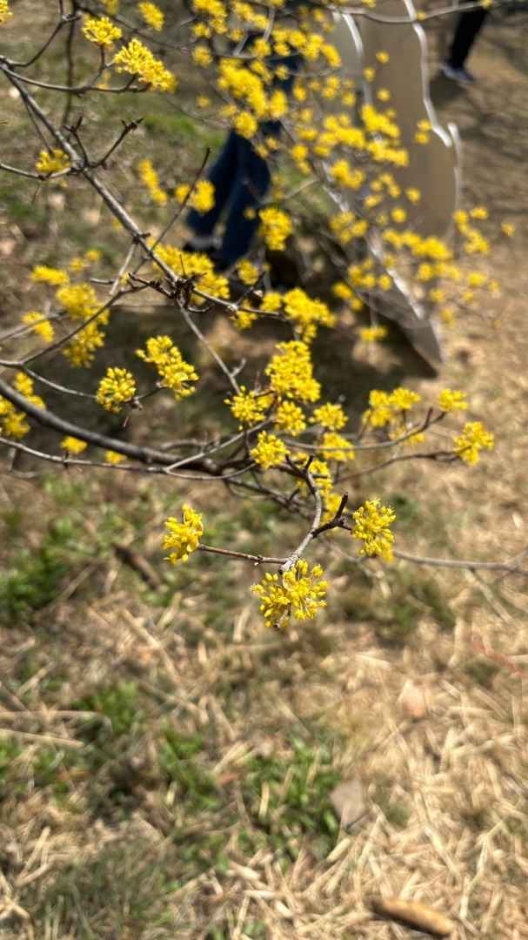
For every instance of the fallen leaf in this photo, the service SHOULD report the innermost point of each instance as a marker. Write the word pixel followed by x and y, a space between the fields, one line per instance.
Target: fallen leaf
pixel 412 701
pixel 349 802
pixel 414 914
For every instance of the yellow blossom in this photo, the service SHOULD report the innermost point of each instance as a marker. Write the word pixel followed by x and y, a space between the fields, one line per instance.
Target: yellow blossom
pixel 298 592
pixel 449 400
pixel 183 537
pixel 52 161
pixel 473 439
pixel 334 446
pixel 413 195
pixel 248 407
pixel 372 527
pixel 80 351
pixel 151 181
pixel 101 31
pixel 330 416
pixel 276 227
pixel 79 300
pixel 40 325
pixel 137 60
pixel 5 12
pixel 152 15
pixel 269 451
pixel 290 418
pixel 44 275
pixel 508 229
pixel 173 371
pixel 372 334
pixel 305 313
pixel 332 502
pixel 246 125
pixel 73 446
pixel 24 385
pixel 403 399
pixel 202 197
pixel 291 372
pixel 112 457
pixel 202 56
pixel 13 423
pixel 248 272
pixel 116 389
pixel 271 302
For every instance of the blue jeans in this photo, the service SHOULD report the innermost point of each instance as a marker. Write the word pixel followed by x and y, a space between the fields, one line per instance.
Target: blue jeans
pixel 241 180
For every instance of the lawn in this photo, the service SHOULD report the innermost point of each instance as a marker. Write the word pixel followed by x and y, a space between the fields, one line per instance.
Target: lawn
pixel 166 763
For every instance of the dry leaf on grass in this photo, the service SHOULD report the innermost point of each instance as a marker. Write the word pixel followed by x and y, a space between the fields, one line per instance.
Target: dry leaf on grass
pixel 414 914
pixel 412 701
pixel 349 802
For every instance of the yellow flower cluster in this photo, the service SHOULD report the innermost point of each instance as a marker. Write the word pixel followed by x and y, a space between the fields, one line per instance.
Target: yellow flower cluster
pixel 290 418
pixel 474 243
pixel 112 457
pixel 52 161
pixel 387 407
pixel 269 451
pixel 299 592
pixel 187 263
pixel 248 407
pixel 449 400
pixel 472 440
pixel 275 227
pixel 202 56
pixel 80 351
pixel 5 12
pixel 150 180
pixel 248 272
pixel 137 60
pixel 334 446
pixel 24 385
pixel 42 274
pixel 306 314
pixel 101 31
pixel 347 226
pixel 13 423
pixel 116 389
pixel 183 537
pixel 330 416
pixel 372 334
pixel 202 197
pixel 73 446
pixel 291 372
pixel 372 527
pixel 79 300
pixel 173 371
pixel 40 325
pixel 152 15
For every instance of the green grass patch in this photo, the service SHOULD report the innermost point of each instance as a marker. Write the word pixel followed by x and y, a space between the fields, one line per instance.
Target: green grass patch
pixel 287 799
pixel 34 577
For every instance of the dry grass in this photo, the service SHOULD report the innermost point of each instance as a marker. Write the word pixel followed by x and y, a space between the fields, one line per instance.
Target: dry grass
pixel 165 764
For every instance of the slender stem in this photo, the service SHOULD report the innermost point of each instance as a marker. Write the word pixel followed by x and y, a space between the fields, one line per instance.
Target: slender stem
pixel 245 556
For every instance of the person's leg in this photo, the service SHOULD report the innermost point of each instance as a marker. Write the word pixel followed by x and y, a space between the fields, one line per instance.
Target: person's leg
pixel 223 175
pixel 251 185
pixel 468 27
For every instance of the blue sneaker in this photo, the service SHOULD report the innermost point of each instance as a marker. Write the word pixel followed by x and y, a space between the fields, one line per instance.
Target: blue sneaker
pixel 458 74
